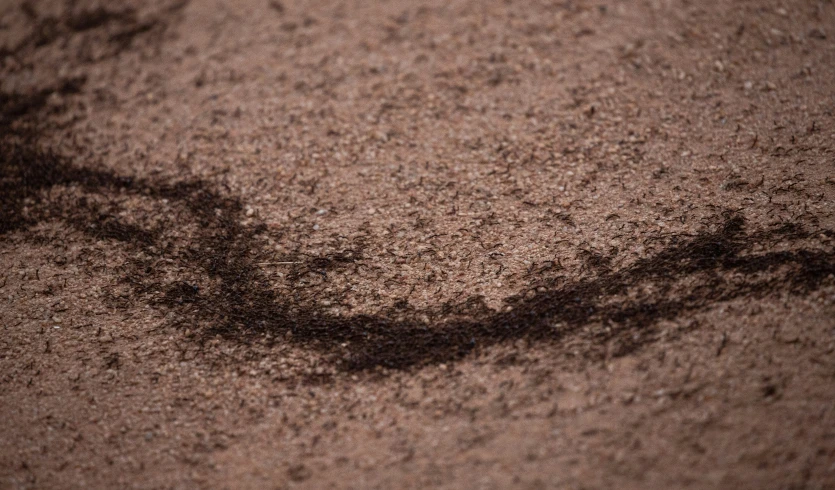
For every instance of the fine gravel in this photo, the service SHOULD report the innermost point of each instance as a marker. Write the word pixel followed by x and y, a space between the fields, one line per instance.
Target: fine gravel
pixel 434 244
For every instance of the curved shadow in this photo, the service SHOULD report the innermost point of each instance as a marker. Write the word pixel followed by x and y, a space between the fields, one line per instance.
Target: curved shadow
pixel 691 273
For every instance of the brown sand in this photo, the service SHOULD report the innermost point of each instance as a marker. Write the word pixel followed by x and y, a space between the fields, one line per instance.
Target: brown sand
pixel 459 244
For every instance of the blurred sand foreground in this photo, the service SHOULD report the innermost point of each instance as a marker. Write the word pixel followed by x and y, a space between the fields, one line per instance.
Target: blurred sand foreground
pixel 440 244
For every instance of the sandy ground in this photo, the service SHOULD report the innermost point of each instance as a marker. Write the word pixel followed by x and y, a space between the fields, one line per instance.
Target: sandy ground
pixel 454 244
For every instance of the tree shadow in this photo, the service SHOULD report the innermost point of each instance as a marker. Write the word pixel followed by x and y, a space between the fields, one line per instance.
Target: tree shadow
pixel 227 293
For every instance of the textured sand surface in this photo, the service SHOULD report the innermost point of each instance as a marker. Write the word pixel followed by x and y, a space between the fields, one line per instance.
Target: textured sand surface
pixel 458 244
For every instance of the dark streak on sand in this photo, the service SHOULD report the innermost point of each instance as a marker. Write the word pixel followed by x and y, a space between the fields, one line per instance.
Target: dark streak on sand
pixel 691 273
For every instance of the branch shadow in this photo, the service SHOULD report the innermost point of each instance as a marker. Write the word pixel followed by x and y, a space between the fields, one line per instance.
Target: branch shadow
pixel 237 301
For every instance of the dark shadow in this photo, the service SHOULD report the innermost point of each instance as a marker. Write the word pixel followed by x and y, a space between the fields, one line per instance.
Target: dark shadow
pixel 690 274
pixel 112 29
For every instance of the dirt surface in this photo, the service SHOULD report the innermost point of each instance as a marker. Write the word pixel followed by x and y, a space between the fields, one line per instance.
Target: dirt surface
pixel 455 244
